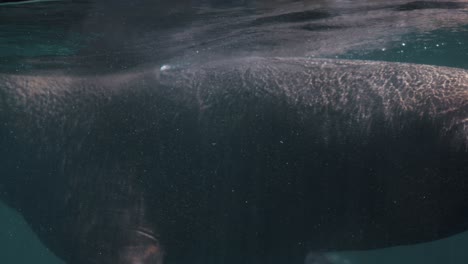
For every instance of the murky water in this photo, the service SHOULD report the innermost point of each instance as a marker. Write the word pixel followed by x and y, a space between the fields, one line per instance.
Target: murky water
pixel 98 36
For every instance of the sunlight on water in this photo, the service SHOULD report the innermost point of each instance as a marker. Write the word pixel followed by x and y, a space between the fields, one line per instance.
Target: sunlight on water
pixel 441 47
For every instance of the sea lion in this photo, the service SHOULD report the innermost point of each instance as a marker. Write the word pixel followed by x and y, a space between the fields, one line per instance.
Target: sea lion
pixel 249 160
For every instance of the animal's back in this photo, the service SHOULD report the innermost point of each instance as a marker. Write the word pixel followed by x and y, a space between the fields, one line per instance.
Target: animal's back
pixel 253 159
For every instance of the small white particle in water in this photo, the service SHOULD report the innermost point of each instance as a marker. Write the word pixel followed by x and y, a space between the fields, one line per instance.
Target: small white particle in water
pixel 213 144
pixel 384 49
pixel 246 202
pixel 165 67
pixel 197 51
pixel 437 45
pixel 425 48
pixel 403 44
pixel 281 141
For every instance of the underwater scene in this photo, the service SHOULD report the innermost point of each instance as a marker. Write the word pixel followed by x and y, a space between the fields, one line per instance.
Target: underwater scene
pixel 125 138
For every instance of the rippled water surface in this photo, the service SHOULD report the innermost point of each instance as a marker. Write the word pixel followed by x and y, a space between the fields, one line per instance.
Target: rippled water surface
pixel 111 36
pixel 125 34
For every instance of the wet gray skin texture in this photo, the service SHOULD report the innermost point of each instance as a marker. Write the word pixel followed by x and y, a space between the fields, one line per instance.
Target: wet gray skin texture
pixel 253 160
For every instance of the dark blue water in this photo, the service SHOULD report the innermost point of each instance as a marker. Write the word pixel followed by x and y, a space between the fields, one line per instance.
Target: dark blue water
pixel 96 36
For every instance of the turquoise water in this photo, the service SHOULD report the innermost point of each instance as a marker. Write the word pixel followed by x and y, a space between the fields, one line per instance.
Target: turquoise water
pixel 446 47
pixel 18 244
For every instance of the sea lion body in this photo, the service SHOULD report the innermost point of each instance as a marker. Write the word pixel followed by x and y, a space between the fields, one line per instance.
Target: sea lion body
pixel 253 160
